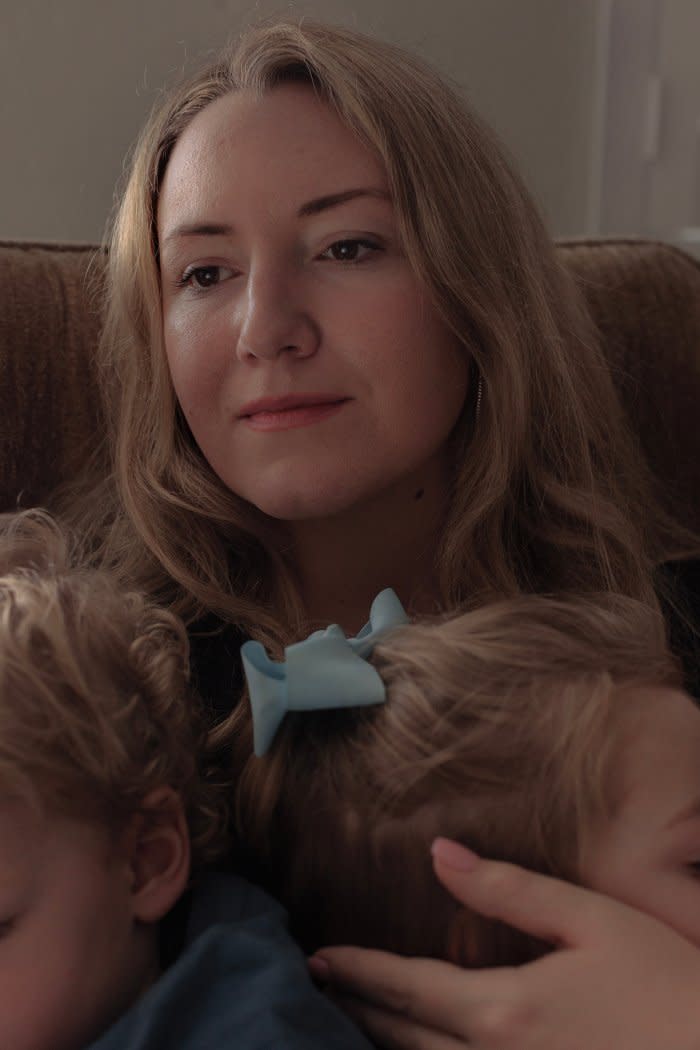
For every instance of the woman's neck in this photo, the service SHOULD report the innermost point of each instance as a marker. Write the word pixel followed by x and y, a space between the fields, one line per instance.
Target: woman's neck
pixel 389 541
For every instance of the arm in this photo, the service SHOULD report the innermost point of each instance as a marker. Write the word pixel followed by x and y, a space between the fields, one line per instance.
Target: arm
pixel 618 979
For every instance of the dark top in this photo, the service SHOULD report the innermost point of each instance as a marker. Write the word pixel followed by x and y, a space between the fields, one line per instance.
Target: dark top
pixel 216 667
pixel 684 620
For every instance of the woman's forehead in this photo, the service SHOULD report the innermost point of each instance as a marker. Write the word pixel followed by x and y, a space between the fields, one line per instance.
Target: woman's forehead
pixel 287 143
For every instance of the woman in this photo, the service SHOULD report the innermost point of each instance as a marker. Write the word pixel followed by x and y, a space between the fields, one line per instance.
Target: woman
pixel 340 354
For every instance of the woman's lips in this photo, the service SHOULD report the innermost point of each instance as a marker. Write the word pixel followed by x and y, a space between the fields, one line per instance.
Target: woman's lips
pixel 287 413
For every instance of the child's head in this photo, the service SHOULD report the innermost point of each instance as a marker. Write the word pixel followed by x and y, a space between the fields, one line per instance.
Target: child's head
pixel 510 728
pixel 102 801
pixel 647 852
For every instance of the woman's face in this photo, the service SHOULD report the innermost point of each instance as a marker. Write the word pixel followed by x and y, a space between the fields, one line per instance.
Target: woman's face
pixel 310 364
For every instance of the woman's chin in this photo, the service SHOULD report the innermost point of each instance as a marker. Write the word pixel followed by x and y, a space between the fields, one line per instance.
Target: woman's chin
pixel 304 503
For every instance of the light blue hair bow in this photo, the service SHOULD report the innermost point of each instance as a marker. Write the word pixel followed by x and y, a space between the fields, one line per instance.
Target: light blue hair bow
pixel 325 671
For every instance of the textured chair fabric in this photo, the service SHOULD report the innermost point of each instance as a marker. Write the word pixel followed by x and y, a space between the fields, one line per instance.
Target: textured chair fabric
pixel 49 327
pixel 644 296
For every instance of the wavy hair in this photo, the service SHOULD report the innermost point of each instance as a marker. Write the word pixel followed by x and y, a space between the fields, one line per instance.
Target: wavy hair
pixel 548 490
pixel 501 729
pixel 95 710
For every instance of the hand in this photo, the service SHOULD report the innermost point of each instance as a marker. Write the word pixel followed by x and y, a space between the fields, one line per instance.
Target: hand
pixel 619 980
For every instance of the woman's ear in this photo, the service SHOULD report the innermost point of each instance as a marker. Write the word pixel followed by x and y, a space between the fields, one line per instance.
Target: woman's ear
pixel 158 844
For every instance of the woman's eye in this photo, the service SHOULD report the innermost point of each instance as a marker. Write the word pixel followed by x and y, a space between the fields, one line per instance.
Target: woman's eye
pixel 200 278
pixel 351 250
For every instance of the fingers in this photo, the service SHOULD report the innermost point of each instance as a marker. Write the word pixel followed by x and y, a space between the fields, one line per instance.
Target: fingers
pixel 554 911
pixel 397 983
pixel 393 1032
pixel 422 992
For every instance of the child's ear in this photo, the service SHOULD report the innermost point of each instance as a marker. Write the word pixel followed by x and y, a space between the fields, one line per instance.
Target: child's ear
pixel 158 842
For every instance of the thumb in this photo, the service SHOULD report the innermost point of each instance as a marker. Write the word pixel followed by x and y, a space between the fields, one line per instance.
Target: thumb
pixel 552 910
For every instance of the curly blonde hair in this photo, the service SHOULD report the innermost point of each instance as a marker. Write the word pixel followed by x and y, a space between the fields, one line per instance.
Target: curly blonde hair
pixel 95 710
pixel 548 490
pixel 499 730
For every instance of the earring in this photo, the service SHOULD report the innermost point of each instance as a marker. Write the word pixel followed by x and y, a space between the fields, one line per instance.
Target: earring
pixel 479 395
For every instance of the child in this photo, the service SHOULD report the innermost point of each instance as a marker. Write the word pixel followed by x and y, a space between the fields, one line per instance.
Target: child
pixel 105 809
pixel 548 732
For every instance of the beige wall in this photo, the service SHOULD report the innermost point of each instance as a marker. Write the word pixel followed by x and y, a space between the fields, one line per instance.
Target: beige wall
pixel 78 76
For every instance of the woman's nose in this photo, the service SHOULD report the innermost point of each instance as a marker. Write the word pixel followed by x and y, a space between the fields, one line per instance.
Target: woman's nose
pixel 274 318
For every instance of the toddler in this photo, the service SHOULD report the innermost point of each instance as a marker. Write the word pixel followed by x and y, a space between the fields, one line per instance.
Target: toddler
pixel 546 731
pixel 108 813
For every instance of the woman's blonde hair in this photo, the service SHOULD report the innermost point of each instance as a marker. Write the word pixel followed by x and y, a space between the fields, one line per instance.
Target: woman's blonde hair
pixel 95 710
pixel 499 729
pixel 548 490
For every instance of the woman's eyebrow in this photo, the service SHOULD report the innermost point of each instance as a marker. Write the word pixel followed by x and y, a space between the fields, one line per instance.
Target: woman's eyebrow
pixel 199 229
pixel 312 207
pixel 332 200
